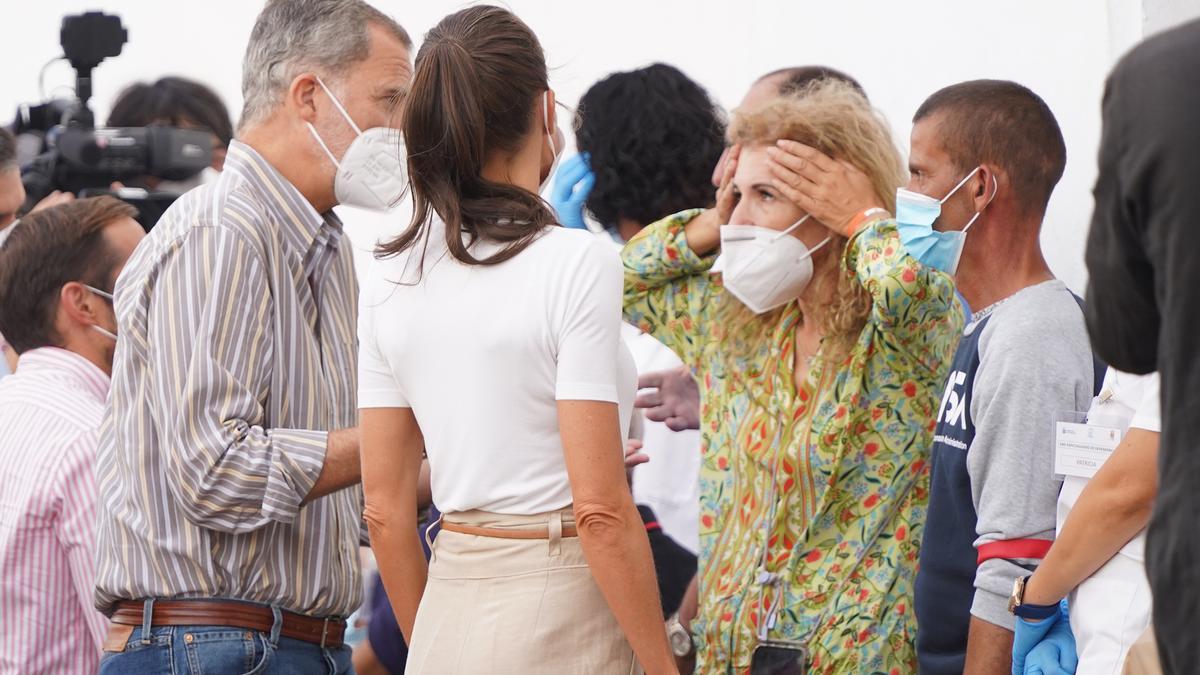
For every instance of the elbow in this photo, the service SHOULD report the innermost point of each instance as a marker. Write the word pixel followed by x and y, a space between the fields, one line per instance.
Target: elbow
pixel 384 520
pixel 603 521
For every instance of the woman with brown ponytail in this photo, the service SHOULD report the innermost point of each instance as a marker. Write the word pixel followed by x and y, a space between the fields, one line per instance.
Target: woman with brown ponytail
pixel 490 341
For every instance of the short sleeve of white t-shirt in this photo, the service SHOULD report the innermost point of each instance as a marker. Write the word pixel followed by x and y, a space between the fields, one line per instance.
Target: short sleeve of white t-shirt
pixel 589 328
pixel 377 387
pixel 482 353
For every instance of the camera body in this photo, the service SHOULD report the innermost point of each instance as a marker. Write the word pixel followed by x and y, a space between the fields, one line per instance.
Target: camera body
pixel 72 155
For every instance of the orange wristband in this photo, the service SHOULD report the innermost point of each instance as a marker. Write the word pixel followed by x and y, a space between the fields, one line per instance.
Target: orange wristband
pixel 860 219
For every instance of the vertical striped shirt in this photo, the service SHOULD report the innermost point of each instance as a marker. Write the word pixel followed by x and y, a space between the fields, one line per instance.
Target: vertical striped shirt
pixel 237 320
pixel 49 416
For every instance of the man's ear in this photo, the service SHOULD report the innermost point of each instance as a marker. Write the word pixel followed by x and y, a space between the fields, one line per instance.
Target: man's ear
pixel 78 304
pixel 301 96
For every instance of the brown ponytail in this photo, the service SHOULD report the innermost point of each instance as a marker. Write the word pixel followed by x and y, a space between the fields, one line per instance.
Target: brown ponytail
pixel 478 77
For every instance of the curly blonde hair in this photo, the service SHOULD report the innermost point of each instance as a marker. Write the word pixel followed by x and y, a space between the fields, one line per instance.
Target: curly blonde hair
pixel 835 118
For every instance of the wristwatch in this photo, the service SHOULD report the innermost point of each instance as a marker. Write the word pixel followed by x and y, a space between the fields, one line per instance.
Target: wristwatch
pixel 1018 607
pixel 679 637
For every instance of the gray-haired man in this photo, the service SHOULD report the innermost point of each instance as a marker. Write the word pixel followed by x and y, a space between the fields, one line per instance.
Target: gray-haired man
pixel 227 542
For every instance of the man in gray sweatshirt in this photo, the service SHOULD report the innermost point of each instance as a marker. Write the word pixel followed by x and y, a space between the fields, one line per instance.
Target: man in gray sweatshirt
pixel 1023 359
pixel 989 154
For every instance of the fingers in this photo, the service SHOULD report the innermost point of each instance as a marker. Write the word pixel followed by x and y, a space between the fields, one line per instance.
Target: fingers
pixel 650 399
pixel 652 380
pixel 725 197
pixel 804 155
pixel 584 188
pixel 794 195
pixel 569 173
pixel 635 459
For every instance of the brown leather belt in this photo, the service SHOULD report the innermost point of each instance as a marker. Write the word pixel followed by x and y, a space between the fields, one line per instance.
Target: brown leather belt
pixel 502 533
pixel 322 632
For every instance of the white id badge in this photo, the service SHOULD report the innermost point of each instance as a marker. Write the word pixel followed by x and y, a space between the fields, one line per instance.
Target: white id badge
pixel 1080 449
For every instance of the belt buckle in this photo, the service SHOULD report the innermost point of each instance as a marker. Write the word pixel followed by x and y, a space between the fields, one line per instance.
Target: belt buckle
pixel 324 631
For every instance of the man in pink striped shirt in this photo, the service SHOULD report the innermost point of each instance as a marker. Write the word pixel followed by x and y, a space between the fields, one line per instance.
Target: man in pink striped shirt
pixel 56 275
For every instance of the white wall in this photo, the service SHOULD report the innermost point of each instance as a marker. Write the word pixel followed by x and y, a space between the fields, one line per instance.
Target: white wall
pixel 901 52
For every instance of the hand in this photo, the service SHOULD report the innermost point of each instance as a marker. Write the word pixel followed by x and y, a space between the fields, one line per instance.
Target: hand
pixel 833 191
pixel 634 454
pixel 1055 654
pixel 675 399
pixel 53 199
pixel 572 185
pixel 726 199
pixel 1028 635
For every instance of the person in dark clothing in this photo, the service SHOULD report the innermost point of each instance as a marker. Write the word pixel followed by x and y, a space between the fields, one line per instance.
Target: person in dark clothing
pixel 1143 293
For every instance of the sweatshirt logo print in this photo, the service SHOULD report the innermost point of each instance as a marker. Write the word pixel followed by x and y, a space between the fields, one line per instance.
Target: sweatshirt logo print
pixel 954 406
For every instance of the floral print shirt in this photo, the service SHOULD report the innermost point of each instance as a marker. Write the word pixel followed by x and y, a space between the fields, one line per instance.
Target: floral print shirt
pixel 839 531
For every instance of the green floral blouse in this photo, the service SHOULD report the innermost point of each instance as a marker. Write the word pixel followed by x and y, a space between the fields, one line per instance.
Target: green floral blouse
pixel 849 453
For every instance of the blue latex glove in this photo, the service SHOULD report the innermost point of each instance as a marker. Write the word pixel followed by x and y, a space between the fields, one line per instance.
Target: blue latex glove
pixel 572 184
pixel 1055 654
pixel 1044 647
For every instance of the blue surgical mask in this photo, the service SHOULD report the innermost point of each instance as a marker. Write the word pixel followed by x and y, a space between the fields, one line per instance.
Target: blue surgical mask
pixel 915 215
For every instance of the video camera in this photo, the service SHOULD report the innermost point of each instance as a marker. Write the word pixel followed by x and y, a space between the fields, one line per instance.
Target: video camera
pixel 73 155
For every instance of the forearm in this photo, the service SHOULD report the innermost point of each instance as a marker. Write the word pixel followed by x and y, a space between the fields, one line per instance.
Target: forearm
pixel 704 232
pixel 989 649
pixel 1111 510
pixel 618 553
pixel 397 546
pixel 342 467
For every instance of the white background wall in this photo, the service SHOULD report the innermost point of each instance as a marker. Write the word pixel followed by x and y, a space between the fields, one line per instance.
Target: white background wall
pixel 901 52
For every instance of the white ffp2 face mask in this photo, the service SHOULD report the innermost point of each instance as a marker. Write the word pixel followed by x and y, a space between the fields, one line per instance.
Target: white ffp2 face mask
pixel 371 175
pixel 764 268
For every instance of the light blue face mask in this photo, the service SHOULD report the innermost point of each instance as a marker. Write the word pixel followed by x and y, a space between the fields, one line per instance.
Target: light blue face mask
pixel 915 215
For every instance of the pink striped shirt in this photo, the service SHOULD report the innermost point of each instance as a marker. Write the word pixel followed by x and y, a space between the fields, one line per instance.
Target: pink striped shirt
pixel 50 412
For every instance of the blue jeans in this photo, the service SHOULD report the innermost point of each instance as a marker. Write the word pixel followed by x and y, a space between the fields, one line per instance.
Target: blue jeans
pixel 192 650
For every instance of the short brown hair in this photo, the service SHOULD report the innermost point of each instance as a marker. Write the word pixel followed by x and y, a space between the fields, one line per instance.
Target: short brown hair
pixel 1002 123
pixel 46 250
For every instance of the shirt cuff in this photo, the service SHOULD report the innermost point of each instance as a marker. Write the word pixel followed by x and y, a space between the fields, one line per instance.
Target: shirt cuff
pixel 993 587
pixel 296 462
pixel 862 218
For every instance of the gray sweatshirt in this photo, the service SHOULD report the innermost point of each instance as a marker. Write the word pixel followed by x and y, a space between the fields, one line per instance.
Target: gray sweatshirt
pixel 1035 361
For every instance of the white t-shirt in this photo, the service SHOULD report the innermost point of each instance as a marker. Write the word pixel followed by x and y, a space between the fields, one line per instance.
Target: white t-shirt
pixel 482 353
pixel 1111 608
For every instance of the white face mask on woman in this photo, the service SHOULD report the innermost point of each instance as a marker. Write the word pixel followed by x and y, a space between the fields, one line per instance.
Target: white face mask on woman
pixel 371 175
pixel 764 268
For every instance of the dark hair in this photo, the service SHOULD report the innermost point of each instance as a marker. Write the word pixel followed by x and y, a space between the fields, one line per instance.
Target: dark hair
pixel 798 78
pixel 48 249
pixel 654 136
pixel 8 150
pixel 475 90
pixel 1006 124
pixel 175 101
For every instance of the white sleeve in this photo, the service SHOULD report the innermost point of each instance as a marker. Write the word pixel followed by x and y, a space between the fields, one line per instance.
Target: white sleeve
pixel 1147 415
pixel 589 331
pixel 377 386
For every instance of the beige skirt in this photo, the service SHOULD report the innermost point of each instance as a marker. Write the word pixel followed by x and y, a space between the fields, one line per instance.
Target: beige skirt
pixel 495 605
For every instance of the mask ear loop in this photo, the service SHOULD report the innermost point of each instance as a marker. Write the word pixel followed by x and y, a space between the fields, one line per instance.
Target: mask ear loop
pixel 793 227
pixel 324 147
pixel 960 184
pixel 546 121
pixel 338 104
